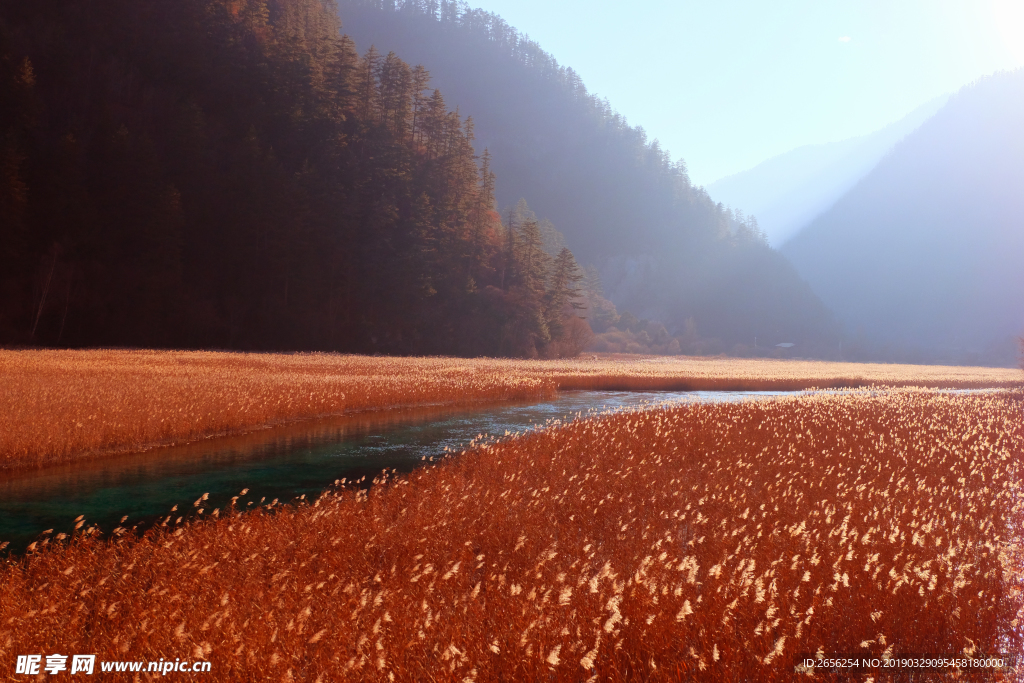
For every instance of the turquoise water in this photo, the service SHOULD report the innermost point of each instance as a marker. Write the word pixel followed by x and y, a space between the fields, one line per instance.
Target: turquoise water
pixel 283 463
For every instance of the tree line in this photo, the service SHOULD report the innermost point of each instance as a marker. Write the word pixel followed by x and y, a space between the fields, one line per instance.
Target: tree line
pixel 233 174
pixel 665 250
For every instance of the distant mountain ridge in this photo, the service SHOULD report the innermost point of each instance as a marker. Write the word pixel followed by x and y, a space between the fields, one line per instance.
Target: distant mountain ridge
pixel 788 191
pixel 923 255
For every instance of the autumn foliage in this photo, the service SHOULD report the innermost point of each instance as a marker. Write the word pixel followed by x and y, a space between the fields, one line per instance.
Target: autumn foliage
pixel 699 542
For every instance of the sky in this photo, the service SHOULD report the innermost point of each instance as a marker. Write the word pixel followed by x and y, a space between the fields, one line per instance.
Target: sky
pixel 726 84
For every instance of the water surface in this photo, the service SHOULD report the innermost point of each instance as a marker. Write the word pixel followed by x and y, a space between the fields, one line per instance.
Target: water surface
pixel 284 462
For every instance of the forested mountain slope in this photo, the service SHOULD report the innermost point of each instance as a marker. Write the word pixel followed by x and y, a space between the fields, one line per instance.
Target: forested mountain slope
pixel 665 249
pixel 925 252
pixel 232 174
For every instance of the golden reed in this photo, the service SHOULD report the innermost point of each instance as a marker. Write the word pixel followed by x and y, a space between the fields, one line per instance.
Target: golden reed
pixel 697 542
pixel 60 405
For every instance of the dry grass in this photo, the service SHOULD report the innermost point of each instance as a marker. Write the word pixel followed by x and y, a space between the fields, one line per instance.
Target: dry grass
pixel 704 542
pixel 60 405
pixel 680 373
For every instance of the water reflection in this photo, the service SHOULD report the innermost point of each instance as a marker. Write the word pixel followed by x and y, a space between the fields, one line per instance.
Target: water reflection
pixel 283 462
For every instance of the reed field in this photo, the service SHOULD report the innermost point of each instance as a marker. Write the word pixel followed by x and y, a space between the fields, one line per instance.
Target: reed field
pixel 60 405
pixel 710 542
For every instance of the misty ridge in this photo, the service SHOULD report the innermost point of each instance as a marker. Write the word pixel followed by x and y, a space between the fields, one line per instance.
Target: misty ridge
pixel 665 253
pixel 921 259
pixel 789 191
pixel 420 177
pixel 694 288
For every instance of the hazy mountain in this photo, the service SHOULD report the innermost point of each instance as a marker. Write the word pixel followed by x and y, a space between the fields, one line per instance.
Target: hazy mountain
pixel 787 192
pixel 665 249
pixel 925 252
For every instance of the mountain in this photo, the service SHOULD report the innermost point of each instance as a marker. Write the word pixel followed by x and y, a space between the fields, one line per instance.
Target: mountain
pixel 232 174
pixel 923 256
pixel 665 250
pixel 787 192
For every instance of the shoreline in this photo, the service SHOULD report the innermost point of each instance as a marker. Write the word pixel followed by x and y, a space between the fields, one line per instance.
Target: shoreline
pixel 646 529
pixel 67 406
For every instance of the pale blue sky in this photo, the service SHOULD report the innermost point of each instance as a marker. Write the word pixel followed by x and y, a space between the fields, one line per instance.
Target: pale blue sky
pixel 726 84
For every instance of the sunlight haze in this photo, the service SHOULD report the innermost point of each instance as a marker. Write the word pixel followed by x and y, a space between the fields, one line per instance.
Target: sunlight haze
pixel 726 85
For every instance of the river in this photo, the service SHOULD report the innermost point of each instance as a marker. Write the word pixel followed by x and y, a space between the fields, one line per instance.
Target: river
pixel 284 462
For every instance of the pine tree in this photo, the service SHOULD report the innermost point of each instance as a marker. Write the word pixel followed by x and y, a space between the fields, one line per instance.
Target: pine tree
pixel 297 196
pixel 366 83
pixel 420 79
pixel 17 118
pixel 563 294
pixel 395 88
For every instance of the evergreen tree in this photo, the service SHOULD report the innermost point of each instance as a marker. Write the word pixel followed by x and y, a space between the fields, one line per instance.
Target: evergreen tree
pixel 562 299
pixel 619 197
pixel 366 83
pixel 230 173
pixel 17 118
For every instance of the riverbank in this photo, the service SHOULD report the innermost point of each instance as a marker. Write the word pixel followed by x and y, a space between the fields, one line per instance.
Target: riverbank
pixel 703 542
pixel 58 406
pixel 300 458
